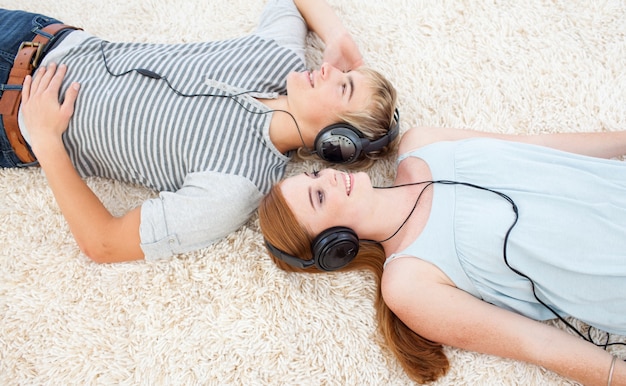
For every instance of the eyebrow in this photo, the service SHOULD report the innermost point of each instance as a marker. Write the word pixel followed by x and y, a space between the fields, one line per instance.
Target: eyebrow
pixel 311 198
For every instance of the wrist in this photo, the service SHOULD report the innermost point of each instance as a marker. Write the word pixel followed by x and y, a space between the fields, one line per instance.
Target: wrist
pixel 339 36
pixel 47 148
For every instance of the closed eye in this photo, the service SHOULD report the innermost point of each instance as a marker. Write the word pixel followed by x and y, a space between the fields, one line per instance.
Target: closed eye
pixel 316 198
pixel 349 87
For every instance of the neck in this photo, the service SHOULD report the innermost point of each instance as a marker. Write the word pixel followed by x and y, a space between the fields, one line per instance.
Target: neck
pixel 403 211
pixel 394 205
pixel 285 132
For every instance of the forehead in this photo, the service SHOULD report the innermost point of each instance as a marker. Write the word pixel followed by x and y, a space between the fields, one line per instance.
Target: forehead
pixel 363 88
pixel 296 192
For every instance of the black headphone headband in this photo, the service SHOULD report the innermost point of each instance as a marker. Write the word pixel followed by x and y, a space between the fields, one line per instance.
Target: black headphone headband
pixel 342 143
pixel 332 249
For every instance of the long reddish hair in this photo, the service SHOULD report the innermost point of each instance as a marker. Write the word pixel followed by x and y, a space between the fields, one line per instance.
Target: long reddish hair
pixel 423 360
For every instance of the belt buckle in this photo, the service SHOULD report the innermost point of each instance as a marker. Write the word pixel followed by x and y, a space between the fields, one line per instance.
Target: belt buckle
pixel 39 46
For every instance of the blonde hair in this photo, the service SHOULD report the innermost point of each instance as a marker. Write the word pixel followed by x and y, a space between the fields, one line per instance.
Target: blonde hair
pixel 423 360
pixel 373 122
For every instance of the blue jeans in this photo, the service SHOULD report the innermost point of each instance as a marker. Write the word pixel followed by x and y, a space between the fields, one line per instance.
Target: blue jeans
pixel 16 27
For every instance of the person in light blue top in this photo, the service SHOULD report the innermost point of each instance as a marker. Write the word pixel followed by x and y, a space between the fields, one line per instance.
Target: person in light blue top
pixel 481 237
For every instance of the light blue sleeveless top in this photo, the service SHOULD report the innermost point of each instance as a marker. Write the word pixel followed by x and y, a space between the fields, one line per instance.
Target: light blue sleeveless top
pixel 570 238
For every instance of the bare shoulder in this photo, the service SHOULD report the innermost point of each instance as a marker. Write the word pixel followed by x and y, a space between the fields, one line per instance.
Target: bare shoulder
pixel 417 137
pixel 409 275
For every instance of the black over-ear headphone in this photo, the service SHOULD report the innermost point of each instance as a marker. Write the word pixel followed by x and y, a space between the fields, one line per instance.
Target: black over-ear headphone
pixel 332 249
pixel 342 143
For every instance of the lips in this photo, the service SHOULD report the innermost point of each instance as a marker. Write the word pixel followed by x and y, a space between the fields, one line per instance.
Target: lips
pixel 348 180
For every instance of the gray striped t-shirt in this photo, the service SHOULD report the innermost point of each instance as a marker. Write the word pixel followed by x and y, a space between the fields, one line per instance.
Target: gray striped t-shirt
pixel 210 157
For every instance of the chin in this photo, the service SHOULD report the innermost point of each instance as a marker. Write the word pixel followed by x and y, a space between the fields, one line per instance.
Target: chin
pixel 363 179
pixel 291 77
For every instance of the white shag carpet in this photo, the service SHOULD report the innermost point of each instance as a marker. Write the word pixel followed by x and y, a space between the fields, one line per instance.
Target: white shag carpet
pixel 226 314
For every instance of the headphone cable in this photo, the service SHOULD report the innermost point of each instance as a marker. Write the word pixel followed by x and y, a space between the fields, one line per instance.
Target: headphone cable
pixel 156 76
pixel 588 338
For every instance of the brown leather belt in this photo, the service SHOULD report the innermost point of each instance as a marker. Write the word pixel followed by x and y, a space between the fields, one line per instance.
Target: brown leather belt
pixel 26 61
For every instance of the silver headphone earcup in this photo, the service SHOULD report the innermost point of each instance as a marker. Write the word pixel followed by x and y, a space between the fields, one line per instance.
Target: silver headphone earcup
pixel 339 144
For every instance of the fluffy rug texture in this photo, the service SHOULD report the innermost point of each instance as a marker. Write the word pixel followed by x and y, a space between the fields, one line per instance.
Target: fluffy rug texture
pixel 226 314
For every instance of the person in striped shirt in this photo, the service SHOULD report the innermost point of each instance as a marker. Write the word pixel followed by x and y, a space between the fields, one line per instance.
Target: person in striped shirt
pixel 211 126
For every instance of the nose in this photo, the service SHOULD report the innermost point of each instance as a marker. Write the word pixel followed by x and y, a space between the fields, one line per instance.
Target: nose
pixel 327 69
pixel 332 177
pixel 329 176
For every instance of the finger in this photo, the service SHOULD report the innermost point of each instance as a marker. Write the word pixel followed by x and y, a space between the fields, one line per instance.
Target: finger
pixel 28 80
pixel 57 79
pixel 70 98
pixel 47 77
pixel 37 79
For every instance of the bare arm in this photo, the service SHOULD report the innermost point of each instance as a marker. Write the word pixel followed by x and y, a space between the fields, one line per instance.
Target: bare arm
pixel 597 144
pixel 101 236
pixel 341 50
pixel 426 301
